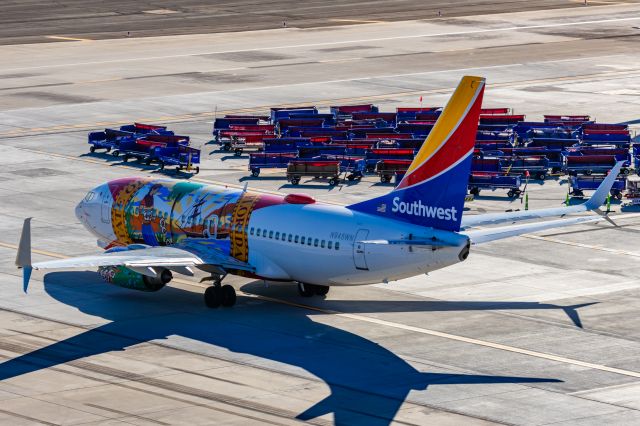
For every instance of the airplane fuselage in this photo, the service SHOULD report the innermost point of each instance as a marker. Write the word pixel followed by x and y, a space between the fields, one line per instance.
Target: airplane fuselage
pixel 289 238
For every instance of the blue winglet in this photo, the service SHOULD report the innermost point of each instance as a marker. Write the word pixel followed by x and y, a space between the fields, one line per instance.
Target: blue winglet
pixel 26 276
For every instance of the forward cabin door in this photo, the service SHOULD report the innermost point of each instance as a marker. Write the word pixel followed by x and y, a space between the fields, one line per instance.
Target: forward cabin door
pixel 359 258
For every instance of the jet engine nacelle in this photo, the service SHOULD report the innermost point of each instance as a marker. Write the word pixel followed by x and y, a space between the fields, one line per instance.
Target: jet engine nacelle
pixel 122 276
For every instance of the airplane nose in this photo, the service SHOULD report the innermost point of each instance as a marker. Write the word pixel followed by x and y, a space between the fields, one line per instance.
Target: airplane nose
pixel 80 210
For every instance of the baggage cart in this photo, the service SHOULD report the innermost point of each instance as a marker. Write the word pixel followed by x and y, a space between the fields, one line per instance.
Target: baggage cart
pixel 326 169
pixel 632 193
pixel 387 168
pixel 590 164
pixel 269 160
pixel 535 165
pixel 579 184
pixel 352 167
pixel 493 181
pixel 180 156
pixel 108 140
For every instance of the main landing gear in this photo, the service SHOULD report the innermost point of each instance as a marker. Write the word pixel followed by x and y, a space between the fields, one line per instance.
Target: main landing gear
pixel 308 290
pixel 219 294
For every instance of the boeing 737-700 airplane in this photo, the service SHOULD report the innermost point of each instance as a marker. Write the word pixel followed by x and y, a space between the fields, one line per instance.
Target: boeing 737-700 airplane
pixel 152 228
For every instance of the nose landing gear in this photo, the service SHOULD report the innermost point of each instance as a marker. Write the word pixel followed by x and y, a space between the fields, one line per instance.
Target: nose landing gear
pixel 308 290
pixel 219 294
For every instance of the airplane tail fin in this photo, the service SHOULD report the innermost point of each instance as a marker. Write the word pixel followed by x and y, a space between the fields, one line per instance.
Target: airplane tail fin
pixel 433 190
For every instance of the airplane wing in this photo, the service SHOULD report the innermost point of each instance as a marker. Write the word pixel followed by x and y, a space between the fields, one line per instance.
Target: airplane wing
pixel 139 258
pixel 593 203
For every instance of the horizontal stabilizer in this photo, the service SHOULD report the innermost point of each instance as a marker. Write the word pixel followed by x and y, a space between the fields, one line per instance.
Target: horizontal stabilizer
pixel 597 200
pixel 491 234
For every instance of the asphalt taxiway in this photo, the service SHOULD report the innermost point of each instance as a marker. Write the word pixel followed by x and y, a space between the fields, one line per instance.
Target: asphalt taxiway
pixel 539 329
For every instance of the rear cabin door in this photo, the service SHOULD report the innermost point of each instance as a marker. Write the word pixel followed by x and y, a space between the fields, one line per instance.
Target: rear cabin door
pixel 359 250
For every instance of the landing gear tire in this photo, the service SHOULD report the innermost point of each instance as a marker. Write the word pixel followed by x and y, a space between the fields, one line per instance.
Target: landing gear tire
pixel 306 290
pixel 212 297
pixel 227 296
pixel 92 149
pixel 321 290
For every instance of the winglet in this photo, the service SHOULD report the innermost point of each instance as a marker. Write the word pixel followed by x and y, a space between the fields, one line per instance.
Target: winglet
pixel 23 258
pixel 600 196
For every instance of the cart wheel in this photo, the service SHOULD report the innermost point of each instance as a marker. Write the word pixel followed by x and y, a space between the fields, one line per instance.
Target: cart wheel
pixel 226 147
pixel 115 153
pixel 255 172
pixel 351 178
pixel 510 194
pixel 333 181
pixel 108 149
pixel 197 169
pixel 162 165
pixel 295 181
pixel 625 171
pixel 238 152
pixel 587 172
pixel 92 149
pixel 178 168
pixel 125 158
pixel 542 176
pixel 474 191
pixel 148 161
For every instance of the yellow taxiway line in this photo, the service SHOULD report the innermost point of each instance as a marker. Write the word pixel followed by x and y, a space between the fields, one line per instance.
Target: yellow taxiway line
pixel 405 327
pixel 68 38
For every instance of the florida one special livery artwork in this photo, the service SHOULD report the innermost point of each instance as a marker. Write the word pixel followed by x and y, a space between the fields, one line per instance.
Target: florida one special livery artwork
pixel 152 228
pixel 164 212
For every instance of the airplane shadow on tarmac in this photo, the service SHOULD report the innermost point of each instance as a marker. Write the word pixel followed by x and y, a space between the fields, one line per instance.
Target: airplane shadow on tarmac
pixel 367 383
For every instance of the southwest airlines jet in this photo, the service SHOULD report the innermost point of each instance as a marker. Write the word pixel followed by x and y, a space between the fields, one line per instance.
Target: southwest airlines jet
pixel 153 228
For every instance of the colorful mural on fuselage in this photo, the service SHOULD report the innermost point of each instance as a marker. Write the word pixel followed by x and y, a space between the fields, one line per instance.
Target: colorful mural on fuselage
pixel 164 212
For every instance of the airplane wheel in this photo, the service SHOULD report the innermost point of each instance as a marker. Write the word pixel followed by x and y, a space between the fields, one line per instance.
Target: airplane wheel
pixel 306 290
pixel 322 290
pixel 228 296
pixel 212 297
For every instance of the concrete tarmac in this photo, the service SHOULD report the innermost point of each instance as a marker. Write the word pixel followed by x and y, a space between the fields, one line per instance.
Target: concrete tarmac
pixel 539 329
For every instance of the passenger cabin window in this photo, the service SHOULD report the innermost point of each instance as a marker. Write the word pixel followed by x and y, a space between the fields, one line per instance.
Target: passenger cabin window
pixel 309 241
pixel 277 235
pixel 322 244
pixel 330 244
pixel 290 238
pixel 270 234
pixel 252 230
pixel 315 242
pixel 337 245
pixel 301 240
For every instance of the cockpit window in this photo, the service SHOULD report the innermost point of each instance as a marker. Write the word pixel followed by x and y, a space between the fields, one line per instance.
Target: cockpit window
pixel 90 196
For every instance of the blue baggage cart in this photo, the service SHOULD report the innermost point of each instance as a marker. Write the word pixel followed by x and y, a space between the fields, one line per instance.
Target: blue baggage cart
pixel 579 184
pixel 269 160
pixel 493 181
pixel 180 156
pixel 108 140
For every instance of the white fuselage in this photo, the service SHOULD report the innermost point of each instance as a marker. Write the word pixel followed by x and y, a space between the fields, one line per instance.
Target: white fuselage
pixel 316 243
pixel 333 252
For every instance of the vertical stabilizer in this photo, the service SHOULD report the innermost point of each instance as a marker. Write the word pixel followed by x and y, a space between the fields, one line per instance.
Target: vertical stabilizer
pixel 432 191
